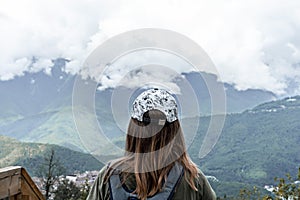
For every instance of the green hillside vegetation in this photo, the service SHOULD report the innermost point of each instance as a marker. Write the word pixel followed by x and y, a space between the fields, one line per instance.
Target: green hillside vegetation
pixel 31 155
pixel 55 126
pixel 286 103
pixel 58 127
pixel 52 126
pixel 255 146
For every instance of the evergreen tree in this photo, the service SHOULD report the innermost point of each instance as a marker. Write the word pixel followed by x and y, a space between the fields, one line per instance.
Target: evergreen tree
pixel 50 169
pixel 67 190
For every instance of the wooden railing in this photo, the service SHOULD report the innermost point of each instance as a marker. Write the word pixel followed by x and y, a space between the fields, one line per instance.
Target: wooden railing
pixel 15 184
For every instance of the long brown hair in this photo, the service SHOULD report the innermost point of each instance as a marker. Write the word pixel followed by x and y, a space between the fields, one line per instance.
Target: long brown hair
pixel 152 147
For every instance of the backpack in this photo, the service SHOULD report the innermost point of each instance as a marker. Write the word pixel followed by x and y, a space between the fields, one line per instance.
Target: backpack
pixel 119 192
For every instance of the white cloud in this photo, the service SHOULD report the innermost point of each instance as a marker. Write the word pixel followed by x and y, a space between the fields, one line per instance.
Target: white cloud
pixel 143 67
pixel 41 64
pixel 254 44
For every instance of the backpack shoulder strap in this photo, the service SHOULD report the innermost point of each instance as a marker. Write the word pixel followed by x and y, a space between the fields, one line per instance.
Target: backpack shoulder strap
pixel 118 192
pixel 173 179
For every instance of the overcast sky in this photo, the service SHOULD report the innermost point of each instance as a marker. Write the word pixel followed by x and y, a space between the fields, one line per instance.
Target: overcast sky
pixel 254 44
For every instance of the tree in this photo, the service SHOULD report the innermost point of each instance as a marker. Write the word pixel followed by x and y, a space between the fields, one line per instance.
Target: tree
pixel 85 189
pixel 50 170
pixel 68 190
pixel 286 189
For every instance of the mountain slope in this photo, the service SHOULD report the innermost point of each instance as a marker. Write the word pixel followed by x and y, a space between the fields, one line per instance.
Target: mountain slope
pixel 236 101
pixel 33 93
pixel 31 156
pixel 36 107
pixel 255 146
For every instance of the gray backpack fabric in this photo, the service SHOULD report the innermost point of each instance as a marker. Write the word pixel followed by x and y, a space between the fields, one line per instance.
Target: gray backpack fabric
pixel 118 192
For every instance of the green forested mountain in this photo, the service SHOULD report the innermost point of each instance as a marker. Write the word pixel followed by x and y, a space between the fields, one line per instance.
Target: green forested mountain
pixel 31 156
pixel 255 146
pixel 52 126
pixel 37 107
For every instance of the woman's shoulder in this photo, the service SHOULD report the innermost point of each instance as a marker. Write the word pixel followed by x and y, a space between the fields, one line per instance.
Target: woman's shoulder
pixel 101 174
pixel 204 186
pixel 204 190
pixel 100 189
pixel 201 178
pixel 107 169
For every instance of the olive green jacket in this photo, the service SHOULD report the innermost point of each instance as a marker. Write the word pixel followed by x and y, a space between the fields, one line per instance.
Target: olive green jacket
pixel 100 189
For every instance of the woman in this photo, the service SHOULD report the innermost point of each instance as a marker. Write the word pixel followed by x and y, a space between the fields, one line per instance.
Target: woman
pixel 155 165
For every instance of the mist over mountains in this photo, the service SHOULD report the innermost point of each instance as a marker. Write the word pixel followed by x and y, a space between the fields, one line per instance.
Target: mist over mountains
pixel 260 138
pixel 37 107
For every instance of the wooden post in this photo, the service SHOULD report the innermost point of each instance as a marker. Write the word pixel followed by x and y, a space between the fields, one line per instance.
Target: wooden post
pixel 15 184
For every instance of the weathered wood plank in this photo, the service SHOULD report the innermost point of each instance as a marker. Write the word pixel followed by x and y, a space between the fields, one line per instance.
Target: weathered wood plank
pixel 15 183
pixel 10 182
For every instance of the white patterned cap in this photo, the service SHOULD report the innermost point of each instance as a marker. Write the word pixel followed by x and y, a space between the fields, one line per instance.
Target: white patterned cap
pixel 155 99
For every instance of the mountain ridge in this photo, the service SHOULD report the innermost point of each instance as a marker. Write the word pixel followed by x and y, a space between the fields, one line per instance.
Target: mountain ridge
pixel 37 107
pixel 254 147
pixel 32 155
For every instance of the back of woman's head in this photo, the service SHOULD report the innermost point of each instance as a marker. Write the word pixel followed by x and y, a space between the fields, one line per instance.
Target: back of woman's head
pixel 154 142
pixel 151 134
